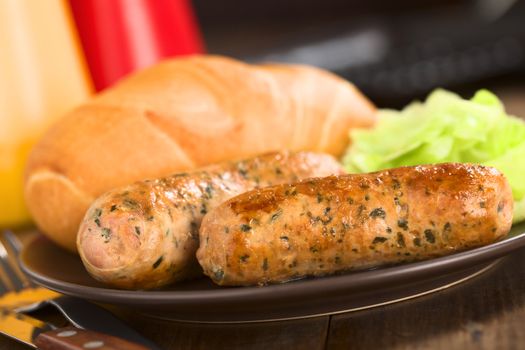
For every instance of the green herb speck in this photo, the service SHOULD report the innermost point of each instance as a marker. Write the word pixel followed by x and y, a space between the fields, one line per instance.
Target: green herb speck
pixel 243 172
pixel 158 262
pixel 400 240
pixel 218 274
pixel 209 190
pixel 430 236
pixel 403 223
pixel 265 264
pixel 130 203
pixel 245 228
pixel 378 213
pixel 106 233
pixel 396 184
pixel 276 215
pixel 379 239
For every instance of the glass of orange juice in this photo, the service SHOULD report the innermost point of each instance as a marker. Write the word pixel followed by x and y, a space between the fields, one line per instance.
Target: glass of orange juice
pixel 42 76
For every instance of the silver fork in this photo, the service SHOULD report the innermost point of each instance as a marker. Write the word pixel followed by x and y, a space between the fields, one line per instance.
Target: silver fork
pixel 79 312
pixel 14 281
pixel 14 277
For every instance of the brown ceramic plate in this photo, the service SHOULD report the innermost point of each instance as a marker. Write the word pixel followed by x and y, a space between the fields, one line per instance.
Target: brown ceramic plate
pixel 201 301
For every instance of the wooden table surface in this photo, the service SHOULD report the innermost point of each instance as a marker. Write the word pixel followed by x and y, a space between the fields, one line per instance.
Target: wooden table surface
pixel 487 312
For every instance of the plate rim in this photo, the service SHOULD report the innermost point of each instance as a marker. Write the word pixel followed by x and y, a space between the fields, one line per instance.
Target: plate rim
pixel 479 272
pixel 354 281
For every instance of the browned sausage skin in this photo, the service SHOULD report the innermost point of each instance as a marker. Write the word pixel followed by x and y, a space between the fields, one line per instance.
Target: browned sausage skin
pixel 328 225
pixel 145 235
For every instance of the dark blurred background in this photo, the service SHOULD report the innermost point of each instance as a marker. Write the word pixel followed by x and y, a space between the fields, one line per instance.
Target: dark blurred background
pixel 394 51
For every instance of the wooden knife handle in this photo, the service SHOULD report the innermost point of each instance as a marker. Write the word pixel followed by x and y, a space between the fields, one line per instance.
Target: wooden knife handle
pixel 71 338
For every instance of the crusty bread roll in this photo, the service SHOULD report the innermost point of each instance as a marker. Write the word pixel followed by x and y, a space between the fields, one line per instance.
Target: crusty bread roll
pixel 181 114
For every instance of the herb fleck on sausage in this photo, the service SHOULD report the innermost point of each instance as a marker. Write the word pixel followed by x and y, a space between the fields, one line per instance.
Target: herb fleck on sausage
pixel 130 203
pixel 379 239
pixel 378 213
pixel 430 236
pixel 218 274
pixel 403 223
pixel 106 234
pixel 401 240
pixel 158 262
pixel 245 228
pixel 265 264
pixel 276 215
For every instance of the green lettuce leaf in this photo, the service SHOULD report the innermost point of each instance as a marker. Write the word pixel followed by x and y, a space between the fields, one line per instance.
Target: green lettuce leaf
pixel 445 128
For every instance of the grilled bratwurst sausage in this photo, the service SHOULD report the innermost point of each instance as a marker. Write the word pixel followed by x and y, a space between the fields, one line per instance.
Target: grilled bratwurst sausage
pixel 328 225
pixel 145 235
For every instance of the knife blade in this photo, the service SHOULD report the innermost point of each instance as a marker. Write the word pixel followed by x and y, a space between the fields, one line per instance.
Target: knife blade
pixel 44 336
pixel 81 313
pixel 86 315
pixel 22 328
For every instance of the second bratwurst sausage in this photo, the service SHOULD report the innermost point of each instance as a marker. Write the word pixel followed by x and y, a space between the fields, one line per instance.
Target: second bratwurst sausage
pixel 328 225
pixel 145 235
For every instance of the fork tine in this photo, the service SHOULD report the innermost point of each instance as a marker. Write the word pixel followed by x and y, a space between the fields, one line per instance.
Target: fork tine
pixel 15 281
pixel 3 289
pixel 16 247
pixel 13 242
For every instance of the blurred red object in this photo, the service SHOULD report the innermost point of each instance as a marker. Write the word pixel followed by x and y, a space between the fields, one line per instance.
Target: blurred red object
pixel 120 36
